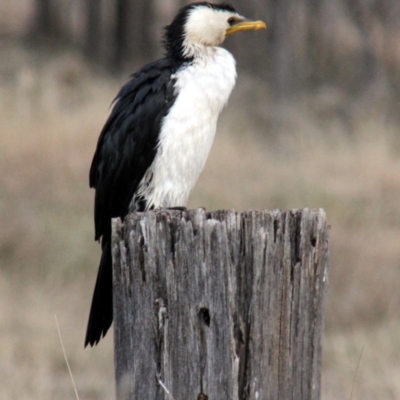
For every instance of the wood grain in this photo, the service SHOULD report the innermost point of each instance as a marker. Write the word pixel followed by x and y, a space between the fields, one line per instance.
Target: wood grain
pixel 219 304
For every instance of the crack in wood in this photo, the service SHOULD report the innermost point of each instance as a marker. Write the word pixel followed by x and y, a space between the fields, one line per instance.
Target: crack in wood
pixel 141 251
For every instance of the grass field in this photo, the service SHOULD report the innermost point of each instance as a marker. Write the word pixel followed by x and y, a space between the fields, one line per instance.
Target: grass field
pixel 51 111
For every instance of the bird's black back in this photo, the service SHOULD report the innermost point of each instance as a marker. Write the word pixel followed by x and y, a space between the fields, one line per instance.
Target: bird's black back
pixel 128 141
pixel 125 150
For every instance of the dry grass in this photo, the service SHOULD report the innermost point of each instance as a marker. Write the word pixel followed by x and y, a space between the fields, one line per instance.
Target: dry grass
pixel 51 111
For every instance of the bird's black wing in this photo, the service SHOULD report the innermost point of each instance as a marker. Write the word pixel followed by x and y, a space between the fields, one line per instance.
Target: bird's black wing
pixel 128 141
pixel 126 148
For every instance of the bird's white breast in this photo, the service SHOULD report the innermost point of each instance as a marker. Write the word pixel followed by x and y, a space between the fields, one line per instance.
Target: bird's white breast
pixel 188 130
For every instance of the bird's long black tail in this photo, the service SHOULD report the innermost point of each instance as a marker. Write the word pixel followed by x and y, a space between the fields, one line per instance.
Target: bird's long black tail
pixel 101 311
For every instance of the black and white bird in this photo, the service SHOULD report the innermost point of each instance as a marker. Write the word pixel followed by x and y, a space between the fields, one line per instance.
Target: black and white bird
pixel 156 140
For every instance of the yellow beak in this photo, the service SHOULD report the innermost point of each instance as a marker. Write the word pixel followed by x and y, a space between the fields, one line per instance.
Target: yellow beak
pixel 246 26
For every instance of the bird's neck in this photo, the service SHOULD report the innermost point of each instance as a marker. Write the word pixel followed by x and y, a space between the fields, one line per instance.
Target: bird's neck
pixel 194 51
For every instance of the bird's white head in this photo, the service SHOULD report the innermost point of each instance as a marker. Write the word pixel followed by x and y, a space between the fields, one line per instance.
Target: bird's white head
pixel 204 24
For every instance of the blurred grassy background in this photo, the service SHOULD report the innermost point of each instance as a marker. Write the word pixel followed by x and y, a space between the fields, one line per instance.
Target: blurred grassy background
pixel 52 108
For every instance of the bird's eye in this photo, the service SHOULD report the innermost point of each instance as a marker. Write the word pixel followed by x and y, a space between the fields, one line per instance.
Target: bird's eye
pixel 232 21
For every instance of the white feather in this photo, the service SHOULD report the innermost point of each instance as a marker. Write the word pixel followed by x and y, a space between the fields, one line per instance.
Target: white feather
pixel 188 130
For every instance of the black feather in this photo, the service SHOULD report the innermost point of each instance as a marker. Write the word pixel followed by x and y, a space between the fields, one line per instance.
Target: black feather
pixel 125 150
pixel 127 143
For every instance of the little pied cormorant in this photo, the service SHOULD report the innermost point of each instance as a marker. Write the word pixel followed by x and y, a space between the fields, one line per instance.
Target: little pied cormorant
pixel 156 140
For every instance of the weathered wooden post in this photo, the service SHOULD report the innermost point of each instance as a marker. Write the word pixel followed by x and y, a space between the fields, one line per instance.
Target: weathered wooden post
pixel 221 303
